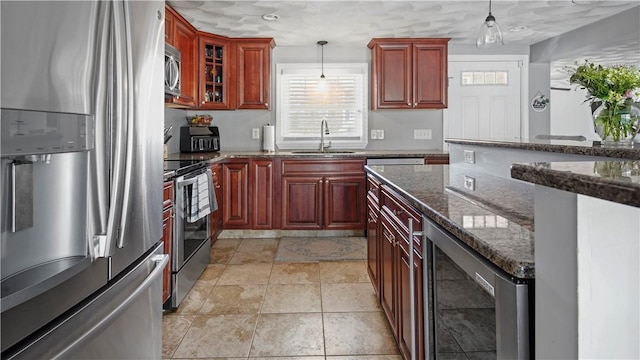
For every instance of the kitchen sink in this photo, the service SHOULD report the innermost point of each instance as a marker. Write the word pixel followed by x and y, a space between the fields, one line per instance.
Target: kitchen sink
pixel 323 152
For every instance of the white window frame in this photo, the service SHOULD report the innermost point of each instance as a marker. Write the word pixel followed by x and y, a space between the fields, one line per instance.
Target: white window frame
pixel 315 70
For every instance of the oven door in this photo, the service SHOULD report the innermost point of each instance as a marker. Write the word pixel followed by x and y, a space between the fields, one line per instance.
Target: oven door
pixel 188 236
pixel 476 310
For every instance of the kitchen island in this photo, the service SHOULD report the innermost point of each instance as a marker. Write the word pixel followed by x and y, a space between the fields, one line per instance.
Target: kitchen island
pixel 587 257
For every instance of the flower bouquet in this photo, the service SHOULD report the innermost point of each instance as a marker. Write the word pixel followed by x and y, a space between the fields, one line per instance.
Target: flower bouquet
pixel 617 90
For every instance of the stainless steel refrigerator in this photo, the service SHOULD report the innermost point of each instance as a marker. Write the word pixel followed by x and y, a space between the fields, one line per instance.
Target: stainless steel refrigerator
pixel 81 179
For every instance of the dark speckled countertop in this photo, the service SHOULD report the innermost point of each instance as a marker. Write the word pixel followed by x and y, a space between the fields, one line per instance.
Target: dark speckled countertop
pixel 378 154
pixel 493 232
pixel 559 146
pixel 617 181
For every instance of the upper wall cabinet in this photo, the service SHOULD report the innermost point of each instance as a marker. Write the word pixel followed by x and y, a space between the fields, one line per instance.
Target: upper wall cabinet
pixel 254 72
pixel 408 73
pixel 217 70
pixel 183 37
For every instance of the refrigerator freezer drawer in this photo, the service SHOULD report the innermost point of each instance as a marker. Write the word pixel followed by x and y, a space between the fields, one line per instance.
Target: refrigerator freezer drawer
pixel 103 326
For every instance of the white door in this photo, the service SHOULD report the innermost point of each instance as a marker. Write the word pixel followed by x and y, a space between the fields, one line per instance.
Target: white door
pixel 484 100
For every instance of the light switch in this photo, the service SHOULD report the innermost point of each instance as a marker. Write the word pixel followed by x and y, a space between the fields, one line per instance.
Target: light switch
pixel 422 134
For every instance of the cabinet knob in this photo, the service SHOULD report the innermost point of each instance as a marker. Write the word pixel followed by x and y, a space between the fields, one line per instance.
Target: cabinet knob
pixel 397 212
pixel 266 104
pixel 415 104
pixel 203 102
pixel 409 104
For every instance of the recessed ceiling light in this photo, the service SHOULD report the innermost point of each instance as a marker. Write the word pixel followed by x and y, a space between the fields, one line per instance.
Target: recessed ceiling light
pixel 517 28
pixel 270 17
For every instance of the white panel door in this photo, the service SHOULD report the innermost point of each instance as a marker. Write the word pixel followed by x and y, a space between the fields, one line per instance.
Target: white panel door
pixel 484 100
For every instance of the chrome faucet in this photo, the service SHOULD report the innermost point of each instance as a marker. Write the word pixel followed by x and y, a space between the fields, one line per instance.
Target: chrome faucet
pixel 324 130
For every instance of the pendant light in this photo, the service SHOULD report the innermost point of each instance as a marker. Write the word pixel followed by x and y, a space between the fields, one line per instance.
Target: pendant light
pixel 322 83
pixel 489 34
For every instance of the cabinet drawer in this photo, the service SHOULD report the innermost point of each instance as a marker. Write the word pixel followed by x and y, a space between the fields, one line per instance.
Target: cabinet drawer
pixel 373 202
pixel 167 194
pixel 323 167
pixel 400 212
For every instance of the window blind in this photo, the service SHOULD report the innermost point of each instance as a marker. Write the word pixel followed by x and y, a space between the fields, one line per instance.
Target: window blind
pixel 304 103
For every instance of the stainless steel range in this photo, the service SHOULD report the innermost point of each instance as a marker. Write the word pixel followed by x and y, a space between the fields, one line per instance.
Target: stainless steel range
pixel 191 227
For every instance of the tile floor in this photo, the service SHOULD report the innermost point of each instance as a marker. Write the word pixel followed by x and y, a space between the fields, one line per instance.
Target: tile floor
pixel 246 305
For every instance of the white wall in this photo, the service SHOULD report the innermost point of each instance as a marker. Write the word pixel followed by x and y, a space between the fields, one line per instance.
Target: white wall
pixel 570 115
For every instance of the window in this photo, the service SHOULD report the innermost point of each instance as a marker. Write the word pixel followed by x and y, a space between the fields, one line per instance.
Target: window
pixel 484 78
pixel 302 105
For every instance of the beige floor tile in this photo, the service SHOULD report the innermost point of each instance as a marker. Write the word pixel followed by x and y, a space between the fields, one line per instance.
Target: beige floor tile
pixel 361 333
pixel 288 358
pixel 246 274
pixel 343 272
pixel 295 273
pixel 365 357
pixel 174 327
pixel 257 245
pixel 349 298
pixel 234 299
pixel 249 257
pixel 288 335
pixel 194 300
pixel 218 336
pixel 211 274
pixel 292 298
pixel 222 251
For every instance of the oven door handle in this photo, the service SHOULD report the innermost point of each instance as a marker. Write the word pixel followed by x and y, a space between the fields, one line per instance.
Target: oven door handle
pixel 187 182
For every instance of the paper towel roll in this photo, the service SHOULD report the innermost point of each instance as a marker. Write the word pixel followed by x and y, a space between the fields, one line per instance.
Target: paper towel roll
pixel 269 138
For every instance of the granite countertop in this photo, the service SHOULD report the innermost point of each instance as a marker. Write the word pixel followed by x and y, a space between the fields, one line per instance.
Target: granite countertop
pixel 219 156
pixel 591 148
pixel 617 181
pixel 503 238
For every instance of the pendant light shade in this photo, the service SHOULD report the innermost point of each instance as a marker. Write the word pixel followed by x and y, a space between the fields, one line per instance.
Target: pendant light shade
pixel 322 83
pixel 489 34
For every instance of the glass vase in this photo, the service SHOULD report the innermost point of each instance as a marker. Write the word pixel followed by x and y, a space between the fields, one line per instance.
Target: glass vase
pixel 616 124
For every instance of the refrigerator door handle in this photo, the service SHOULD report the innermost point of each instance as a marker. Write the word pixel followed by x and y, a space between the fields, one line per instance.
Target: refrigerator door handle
pixel 160 261
pixel 129 123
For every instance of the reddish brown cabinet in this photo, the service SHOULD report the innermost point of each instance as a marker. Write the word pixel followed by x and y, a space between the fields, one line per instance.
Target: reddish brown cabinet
pixel 253 57
pixel 408 73
pixel 323 194
pixel 261 193
pixel 248 194
pixel 235 194
pixel 185 38
pixel 216 73
pixel 167 236
pixel 389 262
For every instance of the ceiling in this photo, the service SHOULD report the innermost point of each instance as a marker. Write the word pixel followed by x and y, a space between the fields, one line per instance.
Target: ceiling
pixel 354 23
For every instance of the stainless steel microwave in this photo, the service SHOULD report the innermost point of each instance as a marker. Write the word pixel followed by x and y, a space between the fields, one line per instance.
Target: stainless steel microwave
pixel 171 70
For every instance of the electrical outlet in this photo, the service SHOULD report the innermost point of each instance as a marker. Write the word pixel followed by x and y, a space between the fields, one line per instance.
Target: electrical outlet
pixel 255 133
pixel 470 156
pixel 422 134
pixel 377 134
pixel 469 183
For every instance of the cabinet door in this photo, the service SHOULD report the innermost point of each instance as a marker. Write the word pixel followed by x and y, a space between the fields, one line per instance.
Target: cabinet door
pixel 344 202
pixel 302 202
pixel 404 303
pixel 216 219
pixel 167 238
pixel 235 195
pixel 254 73
pixel 186 40
pixel 216 74
pixel 392 83
pixel 388 270
pixel 169 25
pixel 262 193
pixel 430 76
pixel 373 248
